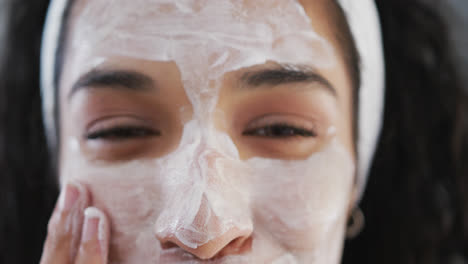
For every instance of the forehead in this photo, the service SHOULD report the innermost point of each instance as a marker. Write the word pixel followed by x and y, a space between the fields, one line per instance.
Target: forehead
pixel 222 35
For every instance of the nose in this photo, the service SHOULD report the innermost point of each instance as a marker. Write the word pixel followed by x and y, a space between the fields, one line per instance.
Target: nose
pixel 233 242
pixel 219 237
pixel 208 214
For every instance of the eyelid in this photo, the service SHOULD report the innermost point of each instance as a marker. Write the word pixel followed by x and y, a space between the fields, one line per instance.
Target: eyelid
pixel 118 118
pixel 282 119
pixel 109 123
pixel 281 126
pixel 124 132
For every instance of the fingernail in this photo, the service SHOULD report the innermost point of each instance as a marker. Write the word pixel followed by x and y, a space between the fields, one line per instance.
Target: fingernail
pixel 69 197
pixel 91 229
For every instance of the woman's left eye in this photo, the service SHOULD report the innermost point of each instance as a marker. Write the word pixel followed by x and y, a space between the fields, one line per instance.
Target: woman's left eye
pixel 279 131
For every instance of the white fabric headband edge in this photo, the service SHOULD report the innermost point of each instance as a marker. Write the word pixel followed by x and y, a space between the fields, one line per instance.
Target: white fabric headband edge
pixel 364 22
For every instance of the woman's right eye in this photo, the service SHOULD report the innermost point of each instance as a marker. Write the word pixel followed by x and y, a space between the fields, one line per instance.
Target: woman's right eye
pixel 120 133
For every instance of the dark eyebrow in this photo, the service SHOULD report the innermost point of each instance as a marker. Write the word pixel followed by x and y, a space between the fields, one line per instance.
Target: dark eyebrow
pixel 286 74
pixel 115 79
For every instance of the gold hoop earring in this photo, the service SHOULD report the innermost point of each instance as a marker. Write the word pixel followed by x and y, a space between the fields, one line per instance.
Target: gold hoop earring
pixel 355 223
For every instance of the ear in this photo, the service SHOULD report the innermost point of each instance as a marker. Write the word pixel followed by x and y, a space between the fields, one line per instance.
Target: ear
pixel 353 197
pixel 355 217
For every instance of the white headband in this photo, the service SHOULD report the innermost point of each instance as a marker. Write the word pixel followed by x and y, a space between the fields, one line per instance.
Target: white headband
pixel 363 19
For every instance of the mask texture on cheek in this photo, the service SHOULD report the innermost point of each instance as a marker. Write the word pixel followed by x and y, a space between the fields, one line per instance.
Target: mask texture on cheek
pixel 312 195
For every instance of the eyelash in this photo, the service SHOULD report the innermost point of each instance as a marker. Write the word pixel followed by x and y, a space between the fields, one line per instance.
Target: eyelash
pixel 276 131
pixel 280 131
pixel 122 133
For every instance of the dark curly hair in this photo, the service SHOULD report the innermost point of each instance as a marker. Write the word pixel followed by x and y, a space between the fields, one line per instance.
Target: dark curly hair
pixel 416 202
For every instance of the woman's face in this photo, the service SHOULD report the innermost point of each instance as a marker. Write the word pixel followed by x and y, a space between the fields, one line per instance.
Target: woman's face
pixel 210 129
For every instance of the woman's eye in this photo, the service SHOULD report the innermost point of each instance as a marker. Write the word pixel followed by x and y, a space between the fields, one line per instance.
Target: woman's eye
pixel 280 131
pixel 122 133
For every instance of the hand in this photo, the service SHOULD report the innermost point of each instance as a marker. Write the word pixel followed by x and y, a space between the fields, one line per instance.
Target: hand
pixel 77 234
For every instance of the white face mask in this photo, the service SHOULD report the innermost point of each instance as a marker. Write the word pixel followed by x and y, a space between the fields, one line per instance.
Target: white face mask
pixel 363 19
pixel 203 190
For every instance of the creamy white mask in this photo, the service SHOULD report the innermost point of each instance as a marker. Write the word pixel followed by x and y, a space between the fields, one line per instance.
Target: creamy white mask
pixel 184 194
pixel 362 18
pixel 215 192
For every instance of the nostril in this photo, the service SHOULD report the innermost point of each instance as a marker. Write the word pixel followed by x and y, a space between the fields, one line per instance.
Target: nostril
pixel 168 245
pixel 238 246
pixel 217 248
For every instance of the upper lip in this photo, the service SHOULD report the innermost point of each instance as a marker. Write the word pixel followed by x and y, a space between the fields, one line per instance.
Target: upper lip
pixel 178 255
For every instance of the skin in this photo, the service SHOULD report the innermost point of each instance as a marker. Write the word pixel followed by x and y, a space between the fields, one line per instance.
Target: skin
pixel 103 238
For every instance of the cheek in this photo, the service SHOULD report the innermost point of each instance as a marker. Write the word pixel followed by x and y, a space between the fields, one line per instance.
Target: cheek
pixel 301 202
pixel 125 192
pixel 131 197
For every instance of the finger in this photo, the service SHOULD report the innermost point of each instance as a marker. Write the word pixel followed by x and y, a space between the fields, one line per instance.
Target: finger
pixel 94 239
pixel 65 225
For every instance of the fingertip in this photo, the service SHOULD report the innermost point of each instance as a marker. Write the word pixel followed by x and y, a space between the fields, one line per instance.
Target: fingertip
pixel 83 192
pixel 96 230
pixel 94 213
pixel 73 194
